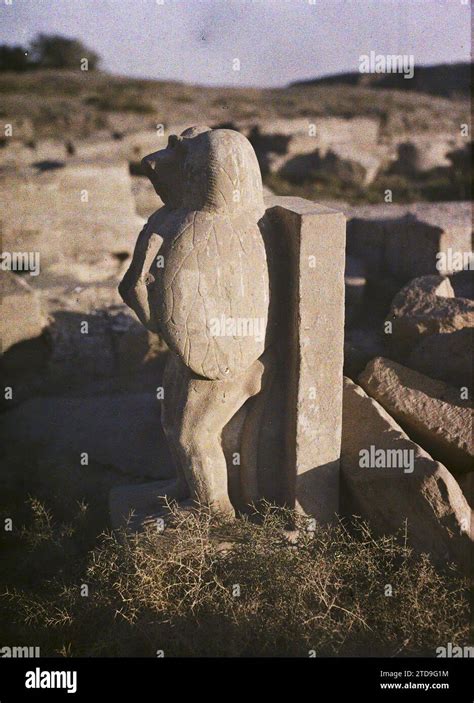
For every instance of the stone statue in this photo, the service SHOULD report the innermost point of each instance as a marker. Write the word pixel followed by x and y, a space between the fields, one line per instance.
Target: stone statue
pixel 250 300
pixel 200 278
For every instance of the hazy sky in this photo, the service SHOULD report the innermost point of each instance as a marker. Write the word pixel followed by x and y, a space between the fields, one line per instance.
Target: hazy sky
pixel 276 41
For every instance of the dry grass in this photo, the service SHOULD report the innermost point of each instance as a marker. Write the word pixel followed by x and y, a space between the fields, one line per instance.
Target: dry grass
pixel 205 587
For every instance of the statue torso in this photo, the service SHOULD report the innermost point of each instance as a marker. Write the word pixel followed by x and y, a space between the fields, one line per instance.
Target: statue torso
pixel 209 293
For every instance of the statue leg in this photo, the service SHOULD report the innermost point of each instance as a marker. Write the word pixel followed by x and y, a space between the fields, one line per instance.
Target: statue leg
pixel 202 408
pixel 175 380
pixel 195 412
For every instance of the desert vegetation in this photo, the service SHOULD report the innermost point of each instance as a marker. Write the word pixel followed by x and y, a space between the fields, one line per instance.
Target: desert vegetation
pixel 207 587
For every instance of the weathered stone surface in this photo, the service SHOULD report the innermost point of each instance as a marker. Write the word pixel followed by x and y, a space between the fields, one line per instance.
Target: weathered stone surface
pixel 297 148
pixel 439 520
pixel 105 342
pixel 427 306
pixel 348 163
pixel 316 242
pixel 430 411
pixel 447 357
pixel 407 241
pixel 325 130
pixel 206 280
pixel 82 347
pixel 21 316
pixel 369 159
pixel 71 212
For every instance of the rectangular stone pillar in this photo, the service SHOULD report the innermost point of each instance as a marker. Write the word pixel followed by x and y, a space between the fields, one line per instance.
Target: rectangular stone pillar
pixel 313 238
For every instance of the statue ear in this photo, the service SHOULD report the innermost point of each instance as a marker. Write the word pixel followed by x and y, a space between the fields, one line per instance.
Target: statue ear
pixel 178 145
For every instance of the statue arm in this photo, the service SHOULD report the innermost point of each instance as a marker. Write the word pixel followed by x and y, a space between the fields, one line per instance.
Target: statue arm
pixel 133 287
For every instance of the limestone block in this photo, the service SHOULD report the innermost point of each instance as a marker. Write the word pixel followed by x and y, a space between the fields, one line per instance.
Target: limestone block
pixel 427 306
pixel 434 152
pixel 354 163
pixel 447 357
pixel 289 146
pixel 328 130
pixel 438 517
pixel 410 240
pixel 67 213
pixel 315 238
pixel 349 163
pixel 430 411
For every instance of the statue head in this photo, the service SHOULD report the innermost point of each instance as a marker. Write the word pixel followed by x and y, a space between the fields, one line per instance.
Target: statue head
pixel 207 169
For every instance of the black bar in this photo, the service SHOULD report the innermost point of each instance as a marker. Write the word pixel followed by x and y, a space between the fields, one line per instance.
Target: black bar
pixel 319 679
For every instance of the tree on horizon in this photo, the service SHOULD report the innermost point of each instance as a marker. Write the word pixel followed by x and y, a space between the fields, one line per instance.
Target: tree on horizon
pixel 47 51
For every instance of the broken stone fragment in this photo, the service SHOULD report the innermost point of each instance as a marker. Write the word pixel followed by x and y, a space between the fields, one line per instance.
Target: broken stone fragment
pixel 423 307
pixel 438 517
pixel 431 412
pixel 345 162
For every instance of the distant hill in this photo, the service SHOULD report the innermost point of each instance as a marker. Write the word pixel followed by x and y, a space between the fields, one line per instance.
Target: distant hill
pixel 74 104
pixel 444 80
